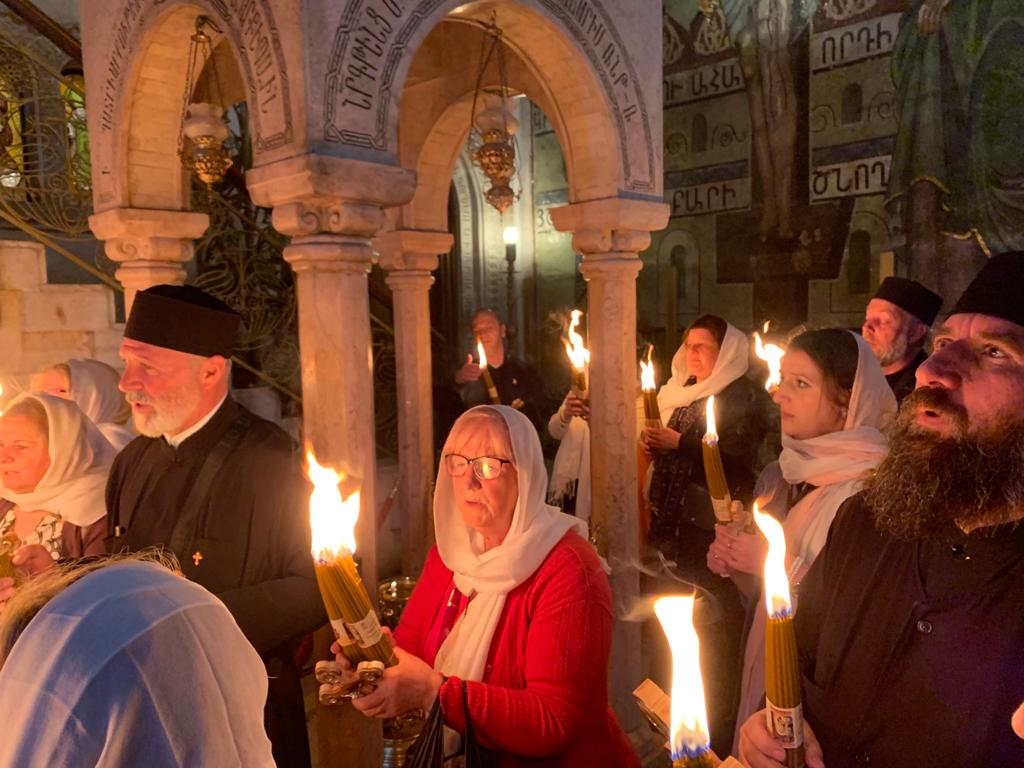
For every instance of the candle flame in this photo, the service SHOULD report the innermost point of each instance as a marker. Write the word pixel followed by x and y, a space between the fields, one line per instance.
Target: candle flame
pixel 772 355
pixel 647 382
pixel 689 727
pixel 711 434
pixel 776 584
pixel 332 521
pixel 578 354
pixel 481 354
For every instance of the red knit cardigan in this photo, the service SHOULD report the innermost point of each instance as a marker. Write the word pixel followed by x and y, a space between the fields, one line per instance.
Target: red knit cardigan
pixel 543 700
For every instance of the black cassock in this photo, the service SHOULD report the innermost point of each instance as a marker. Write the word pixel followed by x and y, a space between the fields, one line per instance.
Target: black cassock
pixel 911 650
pixel 231 502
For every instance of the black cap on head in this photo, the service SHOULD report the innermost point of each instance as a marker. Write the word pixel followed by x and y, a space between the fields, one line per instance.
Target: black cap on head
pixel 183 318
pixel 910 296
pixel 997 290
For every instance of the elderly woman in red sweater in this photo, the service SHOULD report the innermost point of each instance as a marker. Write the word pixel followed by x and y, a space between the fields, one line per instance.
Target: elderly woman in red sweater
pixel 514 604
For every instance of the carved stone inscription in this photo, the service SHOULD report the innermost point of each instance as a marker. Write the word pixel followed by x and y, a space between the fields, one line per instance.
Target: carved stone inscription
pixel 250 26
pixel 259 46
pixel 372 39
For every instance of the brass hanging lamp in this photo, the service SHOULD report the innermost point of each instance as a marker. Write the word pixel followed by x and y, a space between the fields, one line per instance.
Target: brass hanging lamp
pixel 203 129
pixel 493 124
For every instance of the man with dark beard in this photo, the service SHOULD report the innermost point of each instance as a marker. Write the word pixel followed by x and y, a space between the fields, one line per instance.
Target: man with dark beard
pixel 910 624
pixel 896 325
pixel 218 487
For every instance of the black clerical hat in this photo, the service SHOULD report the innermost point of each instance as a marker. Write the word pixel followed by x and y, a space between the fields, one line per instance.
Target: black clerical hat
pixel 997 289
pixel 183 318
pixel 910 296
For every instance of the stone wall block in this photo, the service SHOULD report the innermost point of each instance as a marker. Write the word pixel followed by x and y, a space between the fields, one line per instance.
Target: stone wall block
pixel 22 265
pixel 67 307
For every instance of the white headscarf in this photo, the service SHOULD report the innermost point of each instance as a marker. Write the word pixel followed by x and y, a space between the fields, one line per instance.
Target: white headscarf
pixel 94 388
pixel 837 464
pixel 80 459
pixel 133 666
pixel 733 361
pixel 487 577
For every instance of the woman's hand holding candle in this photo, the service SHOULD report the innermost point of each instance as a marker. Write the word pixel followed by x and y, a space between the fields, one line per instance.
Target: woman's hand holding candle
pixel 409 685
pixel 661 439
pixel 739 551
pixel 759 749
pixel 573 406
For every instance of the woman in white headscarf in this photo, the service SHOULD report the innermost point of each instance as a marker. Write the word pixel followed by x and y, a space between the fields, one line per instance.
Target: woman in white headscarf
pixel 53 471
pixel 712 360
pixel 834 406
pixel 127 664
pixel 94 386
pixel 512 610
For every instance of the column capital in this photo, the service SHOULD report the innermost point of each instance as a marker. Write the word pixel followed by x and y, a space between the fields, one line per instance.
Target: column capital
pixel 140 223
pixel 318 216
pixel 411 250
pixel 147 238
pixel 612 218
pixel 312 176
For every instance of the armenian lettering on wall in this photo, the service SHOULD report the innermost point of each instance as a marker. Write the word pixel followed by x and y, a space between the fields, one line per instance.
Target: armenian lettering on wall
pixel 774 157
pixel 250 26
pixel 374 37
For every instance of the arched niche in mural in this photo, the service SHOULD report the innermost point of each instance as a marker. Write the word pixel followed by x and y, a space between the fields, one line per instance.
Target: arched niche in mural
pixel 136 59
pixel 574 48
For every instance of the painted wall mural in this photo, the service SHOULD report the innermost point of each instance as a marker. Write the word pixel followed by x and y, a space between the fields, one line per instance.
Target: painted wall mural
pixel 813 146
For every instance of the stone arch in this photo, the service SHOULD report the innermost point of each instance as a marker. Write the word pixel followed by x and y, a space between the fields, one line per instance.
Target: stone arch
pixel 135 67
pixel 577 60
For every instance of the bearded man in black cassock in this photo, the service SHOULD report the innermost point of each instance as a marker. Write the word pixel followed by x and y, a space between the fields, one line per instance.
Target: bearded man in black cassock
pixel 219 487
pixel 910 624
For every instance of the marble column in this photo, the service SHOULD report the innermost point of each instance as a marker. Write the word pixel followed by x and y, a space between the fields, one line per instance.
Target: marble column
pixel 610 234
pixel 151 246
pixel 409 257
pixel 332 208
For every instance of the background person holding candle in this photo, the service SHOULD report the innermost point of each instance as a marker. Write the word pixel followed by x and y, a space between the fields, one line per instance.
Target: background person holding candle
pixel 569 489
pixel 513 604
pixel 911 621
pixel 712 360
pixel 834 404
pixel 514 379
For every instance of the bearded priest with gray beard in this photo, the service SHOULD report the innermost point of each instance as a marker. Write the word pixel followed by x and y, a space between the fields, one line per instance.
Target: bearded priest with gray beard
pixel 910 624
pixel 219 487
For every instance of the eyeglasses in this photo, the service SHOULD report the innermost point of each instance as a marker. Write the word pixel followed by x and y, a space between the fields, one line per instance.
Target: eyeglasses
pixel 484 467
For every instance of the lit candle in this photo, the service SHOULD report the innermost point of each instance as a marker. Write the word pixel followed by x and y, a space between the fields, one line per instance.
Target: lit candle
pixel 772 356
pixel 688 730
pixel 714 472
pixel 781 670
pixel 332 522
pixel 650 389
pixel 492 391
pixel 579 357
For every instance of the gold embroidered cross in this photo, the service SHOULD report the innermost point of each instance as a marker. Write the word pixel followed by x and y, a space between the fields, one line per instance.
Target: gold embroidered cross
pixel 197 558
